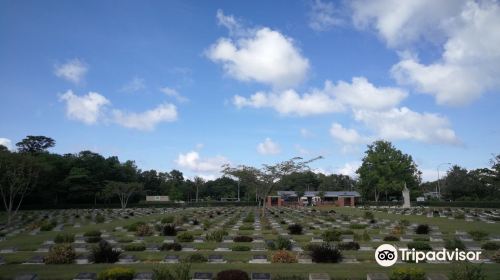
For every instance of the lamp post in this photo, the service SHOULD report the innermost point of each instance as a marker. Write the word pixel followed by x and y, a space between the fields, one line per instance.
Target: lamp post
pixel 438 187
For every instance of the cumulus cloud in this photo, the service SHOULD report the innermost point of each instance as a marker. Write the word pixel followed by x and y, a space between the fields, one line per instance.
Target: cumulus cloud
pixel 73 70
pixel 405 124
pixel 470 63
pixel 349 169
pixel 86 108
pixel 261 55
pixel 323 16
pixel 359 94
pixel 146 120
pixel 192 161
pixel 467 30
pixel 268 147
pixel 171 92
pixel 134 85
pixel 6 143
pixel 345 135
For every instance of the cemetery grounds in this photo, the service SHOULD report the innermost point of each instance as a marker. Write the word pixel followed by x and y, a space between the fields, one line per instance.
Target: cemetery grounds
pixel 33 233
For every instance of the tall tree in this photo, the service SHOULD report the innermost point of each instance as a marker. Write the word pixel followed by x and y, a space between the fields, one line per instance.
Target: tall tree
pixel 198 181
pixel 35 144
pixel 123 190
pixel 386 169
pixel 18 176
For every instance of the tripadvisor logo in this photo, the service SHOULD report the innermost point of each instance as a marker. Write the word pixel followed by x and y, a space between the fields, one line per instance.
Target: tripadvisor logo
pixel 387 255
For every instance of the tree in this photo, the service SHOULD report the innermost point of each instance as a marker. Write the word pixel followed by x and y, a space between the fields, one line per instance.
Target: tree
pixel 386 169
pixel 18 176
pixel 35 144
pixel 198 181
pixel 123 190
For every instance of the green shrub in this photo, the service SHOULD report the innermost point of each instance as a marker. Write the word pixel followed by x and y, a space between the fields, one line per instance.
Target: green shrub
pixel 99 219
pixel 104 253
pixel 169 230
pixel 171 247
pixel 478 235
pixel 295 229
pixel 496 256
pixel 185 237
pixel 117 273
pixel 48 226
pixel 452 244
pixel 348 246
pixel 196 258
pixel 232 274
pixel 92 233
pixel 283 243
pixel 125 240
pixel 240 248
pixel 421 246
pixel 242 238
pixel 271 245
pixel 422 229
pixel 167 220
pixel 407 273
pixel 325 253
pixel 331 235
pixel 467 272
pixel 135 247
pixel 60 254
pixel 490 246
pixel 92 239
pixel 64 238
pixel 246 227
pixel 216 236
pixel 391 238
pixel 134 226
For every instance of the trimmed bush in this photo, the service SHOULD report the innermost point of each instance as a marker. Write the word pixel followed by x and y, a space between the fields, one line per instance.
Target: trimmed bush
pixel 60 254
pixel 104 253
pixel 92 233
pixel 99 219
pixel 135 247
pixel 216 236
pixel 134 226
pixel 242 238
pixel 144 230
pixel 490 246
pixel 169 230
pixel 167 220
pixel 391 238
pixel 295 229
pixel 422 229
pixel 452 244
pixel 407 273
pixel 196 258
pixel 271 245
pixel 331 235
pixel 240 248
pixel 283 256
pixel 171 247
pixel 232 274
pixel 246 227
pixel 64 238
pixel 348 246
pixel 325 253
pixel 48 226
pixel 478 235
pixel 283 243
pixel 421 246
pixel 185 237
pixel 117 273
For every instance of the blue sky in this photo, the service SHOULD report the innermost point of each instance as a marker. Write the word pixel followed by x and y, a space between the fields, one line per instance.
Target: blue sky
pixel 194 84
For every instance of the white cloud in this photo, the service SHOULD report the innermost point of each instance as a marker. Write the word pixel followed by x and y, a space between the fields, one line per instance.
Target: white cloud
pixel 466 31
pixel 323 16
pixel 6 143
pixel 470 63
pixel 192 161
pixel 261 55
pixel 349 169
pixel 146 120
pixel 134 85
pixel 401 23
pixel 268 147
pixel 73 70
pixel 345 135
pixel 173 93
pixel 405 124
pixel 306 133
pixel 87 108
pixel 359 94
pixel 301 150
